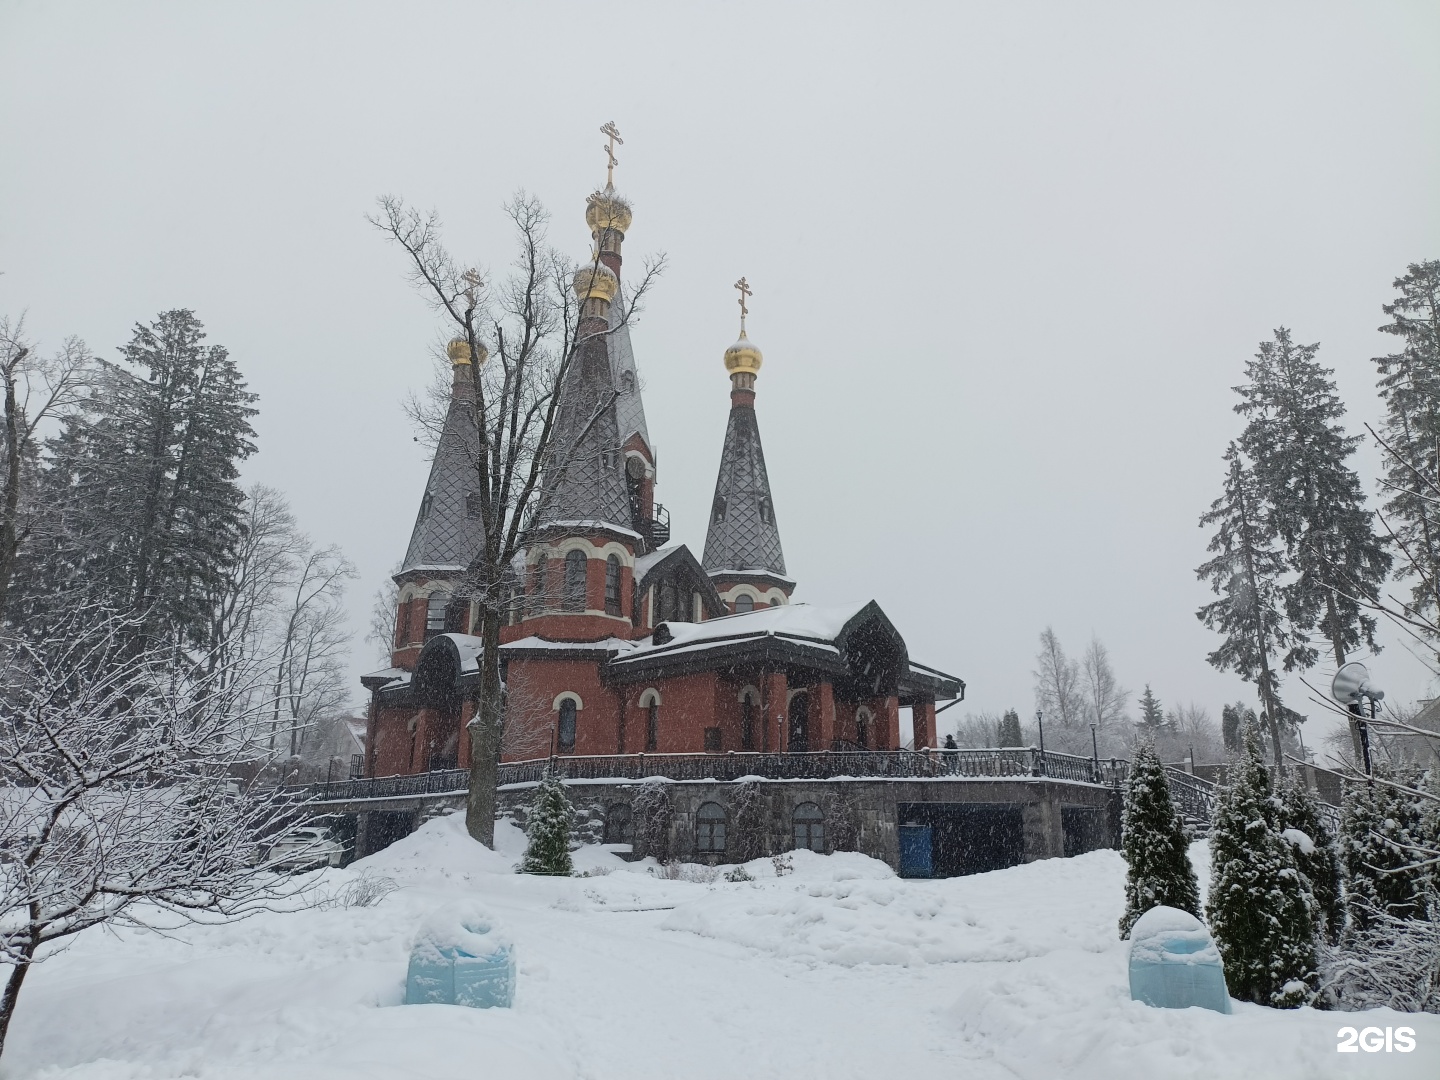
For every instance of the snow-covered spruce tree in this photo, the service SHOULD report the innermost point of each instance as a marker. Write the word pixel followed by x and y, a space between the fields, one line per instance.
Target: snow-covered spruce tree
pixel 1410 388
pixel 145 484
pixel 548 830
pixel 1259 907
pixel 1245 573
pixel 1295 809
pixel 1158 870
pixel 1152 716
pixel 1381 828
pixel 1300 453
pixel 1009 732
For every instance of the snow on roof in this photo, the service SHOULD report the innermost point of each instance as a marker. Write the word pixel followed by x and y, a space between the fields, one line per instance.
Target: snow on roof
pixel 644 563
pixel 591 524
pixel 813 626
pixel 469 647
pixel 750 573
pixel 610 644
pixel 389 674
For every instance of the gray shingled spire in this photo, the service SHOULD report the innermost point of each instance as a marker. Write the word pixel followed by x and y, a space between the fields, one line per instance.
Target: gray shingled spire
pixel 743 533
pixel 447 536
pixel 587 482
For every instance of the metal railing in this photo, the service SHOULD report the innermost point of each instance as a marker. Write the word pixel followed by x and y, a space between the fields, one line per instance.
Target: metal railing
pixel 1195 796
pixel 819 765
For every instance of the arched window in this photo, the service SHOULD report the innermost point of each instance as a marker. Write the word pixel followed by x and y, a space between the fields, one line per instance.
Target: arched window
pixel 637 609
pixel 744 602
pixel 710 829
pixel 402 630
pixel 775 601
pixel 619 825
pixel 612 585
pixel 650 702
pixel 575 580
pixel 764 505
pixel 566 733
pixel 697 608
pixel 667 602
pixel 538 585
pixel 809 824
pixel 435 614
pixel 717 512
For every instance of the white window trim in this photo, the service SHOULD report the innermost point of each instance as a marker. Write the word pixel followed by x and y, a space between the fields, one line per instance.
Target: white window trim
pixel 563 696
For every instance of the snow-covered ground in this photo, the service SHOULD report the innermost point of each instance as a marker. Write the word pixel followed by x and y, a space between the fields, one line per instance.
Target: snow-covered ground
pixel 835 969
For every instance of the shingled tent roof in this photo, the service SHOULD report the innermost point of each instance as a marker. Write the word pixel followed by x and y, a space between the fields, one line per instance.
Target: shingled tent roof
pixel 743 532
pixel 446 536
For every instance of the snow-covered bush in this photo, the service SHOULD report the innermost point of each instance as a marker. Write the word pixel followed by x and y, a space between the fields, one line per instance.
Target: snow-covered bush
pixel 651 811
pixel 1387 962
pixel 548 830
pixel 842 820
pixel 1154 845
pixel 749 816
pixel 1260 905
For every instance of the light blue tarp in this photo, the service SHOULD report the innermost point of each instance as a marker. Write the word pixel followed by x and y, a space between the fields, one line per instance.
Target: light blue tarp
pixel 460 959
pixel 1174 963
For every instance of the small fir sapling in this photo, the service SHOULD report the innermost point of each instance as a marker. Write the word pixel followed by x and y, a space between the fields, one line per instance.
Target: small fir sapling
pixel 548 851
pixel 1154 845
pixel 1260 906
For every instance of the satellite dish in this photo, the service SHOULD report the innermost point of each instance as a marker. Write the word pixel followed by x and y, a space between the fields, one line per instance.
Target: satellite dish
pixel 1351 685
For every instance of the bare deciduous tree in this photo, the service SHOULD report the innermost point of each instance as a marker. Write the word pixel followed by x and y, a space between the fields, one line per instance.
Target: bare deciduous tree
pixel 529 328
pixel 124 801
pixel 1057 682
pixel 1104 697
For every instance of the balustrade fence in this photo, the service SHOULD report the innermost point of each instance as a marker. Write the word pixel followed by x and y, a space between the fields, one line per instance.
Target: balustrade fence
pixel 819 765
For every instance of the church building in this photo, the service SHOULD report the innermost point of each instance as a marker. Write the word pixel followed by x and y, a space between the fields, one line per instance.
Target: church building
pixel 620 641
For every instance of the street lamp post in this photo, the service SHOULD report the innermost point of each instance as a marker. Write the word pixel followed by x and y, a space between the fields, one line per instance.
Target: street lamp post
pixel 1094 754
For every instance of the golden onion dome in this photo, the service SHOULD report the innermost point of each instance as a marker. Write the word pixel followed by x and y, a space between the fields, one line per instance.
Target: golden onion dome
pixel 606 210
pixel 596 281
pixel 743 356
pixel 459 352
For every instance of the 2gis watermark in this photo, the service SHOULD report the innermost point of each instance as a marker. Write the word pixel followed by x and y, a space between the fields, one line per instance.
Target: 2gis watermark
pixel 1373 1040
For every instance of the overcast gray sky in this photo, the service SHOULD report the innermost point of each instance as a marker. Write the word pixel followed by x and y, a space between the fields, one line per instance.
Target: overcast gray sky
pixel 1008 259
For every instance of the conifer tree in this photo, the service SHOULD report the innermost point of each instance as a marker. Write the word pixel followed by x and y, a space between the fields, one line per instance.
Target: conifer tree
pixel 1381 827
pixel 1233 719
pixel 1295 809
pixel 1154 844
pixel 1410 388
pixel 1245 573
pixel 1152 716
pixel 1316 505
pixel 548 830
pixel 1259 907
pixel 1009 732
pixel 146 484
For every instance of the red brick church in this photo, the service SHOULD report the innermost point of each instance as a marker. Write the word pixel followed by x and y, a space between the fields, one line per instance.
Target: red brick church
pixel 620 642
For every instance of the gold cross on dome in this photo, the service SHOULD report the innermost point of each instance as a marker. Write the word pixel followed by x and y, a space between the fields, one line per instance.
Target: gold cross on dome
pixel 744 287
pixel 613 132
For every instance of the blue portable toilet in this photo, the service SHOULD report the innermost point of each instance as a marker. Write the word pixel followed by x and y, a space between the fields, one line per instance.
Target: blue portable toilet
pixel 915 851
pixel 459 958
pixel 1174 963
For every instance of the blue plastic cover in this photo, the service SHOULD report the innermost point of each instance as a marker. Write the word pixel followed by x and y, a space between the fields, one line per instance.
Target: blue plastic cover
pixel 1174 963
pixel 458 959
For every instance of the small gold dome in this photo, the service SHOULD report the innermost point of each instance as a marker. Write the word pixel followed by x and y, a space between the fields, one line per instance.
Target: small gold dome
pixel 596 281
pixel 743 356
pixel 606 210
pixel 459 352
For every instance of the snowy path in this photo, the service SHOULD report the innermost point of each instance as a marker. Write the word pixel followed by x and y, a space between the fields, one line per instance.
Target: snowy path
pixel 838 970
